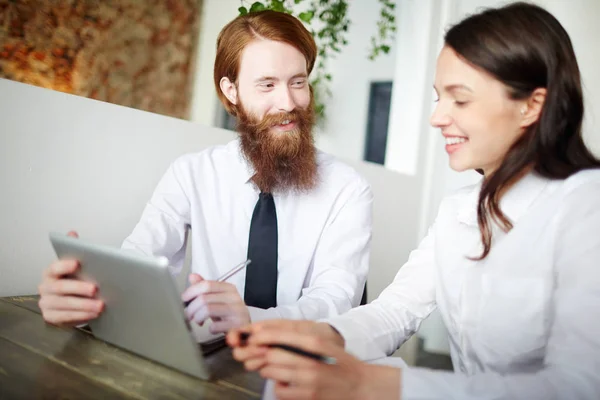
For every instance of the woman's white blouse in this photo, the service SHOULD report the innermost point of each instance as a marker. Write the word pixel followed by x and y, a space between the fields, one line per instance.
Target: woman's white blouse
pixel 524 323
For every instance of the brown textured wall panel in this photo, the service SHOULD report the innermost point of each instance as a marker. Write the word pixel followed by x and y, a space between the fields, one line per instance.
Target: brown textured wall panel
pixel 136 53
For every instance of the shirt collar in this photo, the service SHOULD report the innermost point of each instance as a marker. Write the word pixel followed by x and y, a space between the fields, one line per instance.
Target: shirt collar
pixel 515 203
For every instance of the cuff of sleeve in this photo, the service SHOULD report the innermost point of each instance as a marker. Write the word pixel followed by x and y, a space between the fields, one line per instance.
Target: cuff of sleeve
pixel 353 344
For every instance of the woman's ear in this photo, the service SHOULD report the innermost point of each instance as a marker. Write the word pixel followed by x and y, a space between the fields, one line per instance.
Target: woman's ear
pixel 532 108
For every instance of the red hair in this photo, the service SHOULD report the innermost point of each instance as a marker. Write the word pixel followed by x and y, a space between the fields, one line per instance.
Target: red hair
pixel 268 24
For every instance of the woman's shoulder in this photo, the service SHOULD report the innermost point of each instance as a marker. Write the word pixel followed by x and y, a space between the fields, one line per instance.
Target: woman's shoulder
pixel 580 193
pixel 586 180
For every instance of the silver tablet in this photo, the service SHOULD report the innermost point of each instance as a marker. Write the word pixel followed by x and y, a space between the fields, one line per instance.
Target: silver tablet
pixel 143 310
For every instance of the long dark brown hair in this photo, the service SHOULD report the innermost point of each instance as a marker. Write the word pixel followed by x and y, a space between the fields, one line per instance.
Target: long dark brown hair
pixel 525 47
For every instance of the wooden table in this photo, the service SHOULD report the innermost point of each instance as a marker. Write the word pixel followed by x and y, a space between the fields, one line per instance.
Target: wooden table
pixel 40 361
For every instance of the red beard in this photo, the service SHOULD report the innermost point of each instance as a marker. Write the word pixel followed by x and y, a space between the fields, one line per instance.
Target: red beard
pixel 283 161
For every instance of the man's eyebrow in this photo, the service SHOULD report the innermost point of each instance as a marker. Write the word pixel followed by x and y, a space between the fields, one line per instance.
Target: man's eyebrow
pixel 265 78
pixel 272 78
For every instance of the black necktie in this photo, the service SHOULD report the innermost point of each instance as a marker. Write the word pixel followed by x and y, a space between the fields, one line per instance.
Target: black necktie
pixel 261 274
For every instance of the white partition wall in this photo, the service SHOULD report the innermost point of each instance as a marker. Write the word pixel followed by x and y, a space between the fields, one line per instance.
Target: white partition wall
pixel 68 162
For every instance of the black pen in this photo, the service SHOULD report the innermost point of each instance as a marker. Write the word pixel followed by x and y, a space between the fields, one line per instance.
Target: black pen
pixel 324 359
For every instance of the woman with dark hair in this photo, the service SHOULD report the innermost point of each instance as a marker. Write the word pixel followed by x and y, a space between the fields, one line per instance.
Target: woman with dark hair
pixel 512 263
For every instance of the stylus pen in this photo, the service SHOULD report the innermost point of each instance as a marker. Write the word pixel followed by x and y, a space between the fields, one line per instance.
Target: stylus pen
pixel 226 276
pixel 324 359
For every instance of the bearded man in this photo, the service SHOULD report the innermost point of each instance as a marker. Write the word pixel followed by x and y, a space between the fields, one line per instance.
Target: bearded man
pixel 302 217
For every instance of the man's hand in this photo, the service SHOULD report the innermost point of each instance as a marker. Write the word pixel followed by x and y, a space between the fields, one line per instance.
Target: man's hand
pixel 219 301
pixel 64 299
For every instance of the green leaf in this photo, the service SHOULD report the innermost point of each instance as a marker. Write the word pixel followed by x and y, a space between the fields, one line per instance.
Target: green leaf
pixel 306 16
pixel 385 48
pixel 319 108
pixel 325 15
pixel 257 6
pixel 243 10
pixel 277 5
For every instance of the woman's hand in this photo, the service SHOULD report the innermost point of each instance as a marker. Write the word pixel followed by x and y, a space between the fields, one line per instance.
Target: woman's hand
pixel 253 357
pixel 300 377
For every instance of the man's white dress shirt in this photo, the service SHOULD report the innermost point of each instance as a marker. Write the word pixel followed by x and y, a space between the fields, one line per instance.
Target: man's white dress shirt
pixel 524 323
pixel 323 235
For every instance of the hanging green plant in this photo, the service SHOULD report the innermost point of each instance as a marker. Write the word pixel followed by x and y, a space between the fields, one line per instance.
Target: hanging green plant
pixel 333 23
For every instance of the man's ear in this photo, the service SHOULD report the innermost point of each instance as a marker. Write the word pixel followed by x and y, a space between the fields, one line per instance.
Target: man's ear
pixel 229 90
pixel 532 109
